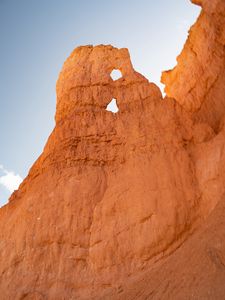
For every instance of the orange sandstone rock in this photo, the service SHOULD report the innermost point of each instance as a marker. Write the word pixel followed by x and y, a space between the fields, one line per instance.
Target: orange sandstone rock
pixel 117 204
pixel 197 82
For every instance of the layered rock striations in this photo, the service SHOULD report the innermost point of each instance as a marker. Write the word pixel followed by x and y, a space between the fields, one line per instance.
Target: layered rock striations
pixel 116 201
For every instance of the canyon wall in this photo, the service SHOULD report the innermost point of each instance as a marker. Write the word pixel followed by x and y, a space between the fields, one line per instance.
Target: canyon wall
pixel 197 82
pixel 126 205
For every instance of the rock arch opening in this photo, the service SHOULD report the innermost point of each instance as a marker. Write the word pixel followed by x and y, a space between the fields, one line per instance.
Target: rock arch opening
pixel 112 106
pixel 116 74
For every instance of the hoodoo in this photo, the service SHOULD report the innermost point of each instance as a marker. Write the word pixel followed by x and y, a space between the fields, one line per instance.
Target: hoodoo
pixel 126 205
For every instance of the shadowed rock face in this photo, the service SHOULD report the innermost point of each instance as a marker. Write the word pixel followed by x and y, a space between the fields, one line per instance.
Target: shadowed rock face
pixel 115 201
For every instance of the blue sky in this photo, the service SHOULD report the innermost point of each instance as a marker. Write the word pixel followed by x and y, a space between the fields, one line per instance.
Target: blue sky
pixel 36 38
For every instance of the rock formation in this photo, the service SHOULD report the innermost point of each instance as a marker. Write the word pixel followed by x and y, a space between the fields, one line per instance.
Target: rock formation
pixel 128 205
pixel 197 82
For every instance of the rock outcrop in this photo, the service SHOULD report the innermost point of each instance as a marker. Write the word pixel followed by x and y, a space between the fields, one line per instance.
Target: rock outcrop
pixel 127 205
pixel 197 82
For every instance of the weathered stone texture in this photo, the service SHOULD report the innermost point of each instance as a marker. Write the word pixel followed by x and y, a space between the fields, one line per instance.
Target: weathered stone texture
pixel 127 205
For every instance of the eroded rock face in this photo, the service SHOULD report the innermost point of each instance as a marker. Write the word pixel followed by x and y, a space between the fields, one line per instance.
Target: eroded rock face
pixel 197 82
pixel 113 196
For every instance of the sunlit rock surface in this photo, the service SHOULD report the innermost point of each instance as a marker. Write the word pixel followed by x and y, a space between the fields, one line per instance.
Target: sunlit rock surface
pixel 126 205
pixel 198 80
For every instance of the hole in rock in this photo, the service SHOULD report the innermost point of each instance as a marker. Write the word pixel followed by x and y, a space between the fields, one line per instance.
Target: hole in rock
pixel 112 106
pixel 116 74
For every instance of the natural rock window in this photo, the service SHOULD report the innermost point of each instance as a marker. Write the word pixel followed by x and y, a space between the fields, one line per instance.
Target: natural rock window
pixel 116 74
pixel 112 106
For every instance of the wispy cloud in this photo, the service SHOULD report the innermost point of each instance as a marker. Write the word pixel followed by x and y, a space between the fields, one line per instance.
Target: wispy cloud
pixel 9 179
